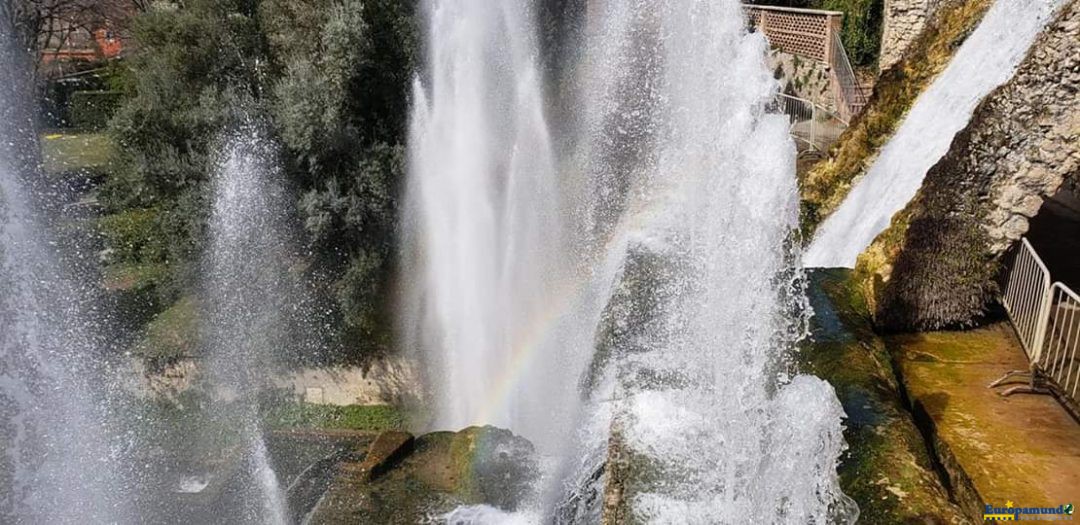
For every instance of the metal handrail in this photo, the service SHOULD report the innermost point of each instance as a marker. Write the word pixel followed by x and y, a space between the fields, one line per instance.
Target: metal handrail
pixel 852 95
pixel 1062 323
pixel 1046 318
pixel 799 111
pixel 1025 298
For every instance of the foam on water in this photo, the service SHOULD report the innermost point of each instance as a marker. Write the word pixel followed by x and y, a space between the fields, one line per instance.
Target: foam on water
pixel 988 58
pixel 487 515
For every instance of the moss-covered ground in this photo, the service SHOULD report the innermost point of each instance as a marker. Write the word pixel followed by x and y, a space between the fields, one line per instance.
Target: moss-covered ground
pixel 887 469
pixel 375 418
pixel 1024 448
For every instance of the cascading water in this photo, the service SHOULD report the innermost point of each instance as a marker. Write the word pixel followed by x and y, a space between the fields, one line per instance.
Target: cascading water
pixel 58 465
pixel 696 338
pixel 670 298
pixel 986 60
pixel 482 207
pixel 247 297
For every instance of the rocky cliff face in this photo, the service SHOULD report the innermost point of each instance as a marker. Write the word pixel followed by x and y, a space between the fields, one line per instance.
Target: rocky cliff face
pixel 936 265
pixel 903 21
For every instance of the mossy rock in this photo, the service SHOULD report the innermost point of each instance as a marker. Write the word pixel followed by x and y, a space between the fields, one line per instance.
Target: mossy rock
pixel 887 469
pixel 443 470
pixel 495 466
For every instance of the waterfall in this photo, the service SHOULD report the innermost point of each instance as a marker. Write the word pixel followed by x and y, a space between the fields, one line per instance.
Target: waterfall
pixel 986 60
pixel 482 210
pixel 667 300
pixel 59 461
pixel 247 298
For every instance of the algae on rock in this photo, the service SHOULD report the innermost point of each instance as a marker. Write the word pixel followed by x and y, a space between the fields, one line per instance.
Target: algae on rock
pixel 887 469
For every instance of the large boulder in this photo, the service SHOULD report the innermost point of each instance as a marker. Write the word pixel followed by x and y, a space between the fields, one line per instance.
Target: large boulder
pixel 405 480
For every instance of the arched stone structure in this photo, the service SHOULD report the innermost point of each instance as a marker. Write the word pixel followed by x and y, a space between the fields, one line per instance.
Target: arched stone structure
pixel 937 264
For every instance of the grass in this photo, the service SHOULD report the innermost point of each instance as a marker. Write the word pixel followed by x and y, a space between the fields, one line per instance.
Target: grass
pixel 133 277
pixel 75 151
pixel 352 417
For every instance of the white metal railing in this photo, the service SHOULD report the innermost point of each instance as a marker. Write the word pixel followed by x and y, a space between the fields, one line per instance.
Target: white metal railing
pixel 811 124
pixel 1025 297
pixel 1062 326
pixel 1047 320
pixel 850 93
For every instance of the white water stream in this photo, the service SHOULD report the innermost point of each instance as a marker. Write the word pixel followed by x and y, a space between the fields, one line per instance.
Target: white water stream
pixel 60 460
pixel 246 299
pixel 986 60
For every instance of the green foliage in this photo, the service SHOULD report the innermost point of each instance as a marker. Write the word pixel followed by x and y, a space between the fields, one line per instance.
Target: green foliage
pixel 169 336
pixel 133 234
pixel 194 68
pixel 374 418
pixel 118 77
pixel 339 105
pixel 330 78
pixel 359 210
pixel 861 33
pixel 93 109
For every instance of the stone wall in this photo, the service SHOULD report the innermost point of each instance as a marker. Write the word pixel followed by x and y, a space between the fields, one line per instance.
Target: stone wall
pixel 389 381
pixel 903 21
pixel 803 78
pixel 937 264
pixel 381 381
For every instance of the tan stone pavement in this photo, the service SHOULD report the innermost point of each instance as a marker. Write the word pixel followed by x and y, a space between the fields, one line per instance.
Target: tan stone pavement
pixel 1023 449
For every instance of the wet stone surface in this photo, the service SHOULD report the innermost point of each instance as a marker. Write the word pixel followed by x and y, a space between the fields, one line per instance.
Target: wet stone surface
pixel 887 469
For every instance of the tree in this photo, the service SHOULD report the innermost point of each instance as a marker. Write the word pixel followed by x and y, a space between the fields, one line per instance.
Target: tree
pixel 42 25
pixel 339 104
pixel 330 77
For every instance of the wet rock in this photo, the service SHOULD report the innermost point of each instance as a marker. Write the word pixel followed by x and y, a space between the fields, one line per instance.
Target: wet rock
pixel 887 469
pixel 495 466
pixel 438 473
pixel 387 450
pixel 977 200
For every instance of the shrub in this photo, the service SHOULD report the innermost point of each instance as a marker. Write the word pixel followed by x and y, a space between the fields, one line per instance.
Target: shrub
pixel 133 235
pixel 861 33
pixel 93 109
pixel 330 78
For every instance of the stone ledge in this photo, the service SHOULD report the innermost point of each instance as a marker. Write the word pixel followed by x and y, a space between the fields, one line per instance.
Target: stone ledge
pixel 387 450
pixel 1025 448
